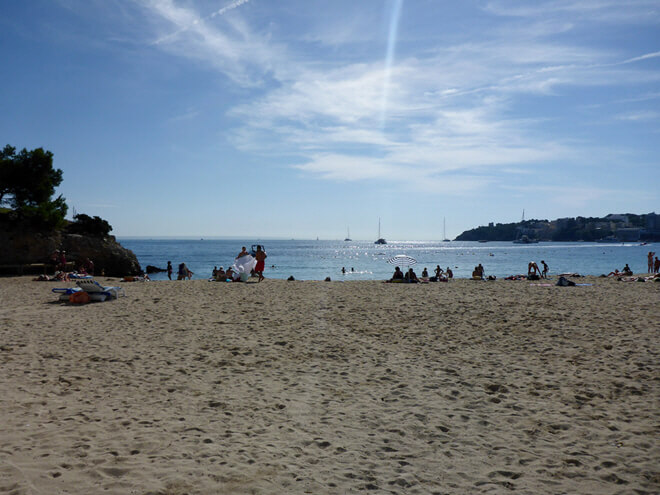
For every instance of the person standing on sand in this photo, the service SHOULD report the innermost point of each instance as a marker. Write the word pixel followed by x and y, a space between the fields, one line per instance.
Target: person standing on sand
pixel 544 273
pixel 533 269
pixel 88 266
pixel 438 272
pixel 650 260
pixel 169 270
pixel 183 272
pixel 656 266
pixel 62 260
pixel 260 256
pixel 242 253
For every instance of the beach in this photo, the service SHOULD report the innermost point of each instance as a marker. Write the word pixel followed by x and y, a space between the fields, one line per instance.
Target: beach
pixel 196 387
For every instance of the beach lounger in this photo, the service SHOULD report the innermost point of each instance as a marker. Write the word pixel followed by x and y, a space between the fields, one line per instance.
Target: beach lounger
pixel 66 292
pixel 93 288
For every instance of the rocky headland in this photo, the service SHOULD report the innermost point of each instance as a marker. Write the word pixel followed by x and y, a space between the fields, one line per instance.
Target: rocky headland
pixel 28 252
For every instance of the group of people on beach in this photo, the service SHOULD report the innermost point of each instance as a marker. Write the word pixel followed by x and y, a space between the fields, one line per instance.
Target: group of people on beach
pixel 222 275
pixel 653 267
pixel 411 277
pixel 625 271
pixel 234 275
pixel 59 261
pixel 535 273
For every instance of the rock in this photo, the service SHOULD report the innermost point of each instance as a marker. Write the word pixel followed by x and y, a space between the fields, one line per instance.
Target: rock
pixel 155 269
pixel 108 255
pixel 21 248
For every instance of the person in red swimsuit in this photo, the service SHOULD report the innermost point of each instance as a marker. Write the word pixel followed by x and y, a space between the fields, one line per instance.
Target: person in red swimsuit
pixel 260 256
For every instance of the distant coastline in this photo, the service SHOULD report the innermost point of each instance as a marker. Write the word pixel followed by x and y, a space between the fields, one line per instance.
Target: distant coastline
pixel 624 227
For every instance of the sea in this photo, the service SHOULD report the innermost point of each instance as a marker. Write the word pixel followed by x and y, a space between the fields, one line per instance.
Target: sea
pixel 364 260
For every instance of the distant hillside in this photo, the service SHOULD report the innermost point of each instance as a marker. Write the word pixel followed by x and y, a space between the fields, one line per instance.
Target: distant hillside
pixel 612 228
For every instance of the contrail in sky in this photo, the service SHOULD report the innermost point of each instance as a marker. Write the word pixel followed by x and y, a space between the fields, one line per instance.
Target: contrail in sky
pixel 643 57
pixel 231 6
pixel 222 11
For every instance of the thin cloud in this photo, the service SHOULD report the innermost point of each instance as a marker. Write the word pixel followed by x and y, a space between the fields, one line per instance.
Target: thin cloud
pixel 639 116
pixel 189 115
pixel 243 56
pixel 642 57
pixel 195 21
pixel 631 11
pixel 450 107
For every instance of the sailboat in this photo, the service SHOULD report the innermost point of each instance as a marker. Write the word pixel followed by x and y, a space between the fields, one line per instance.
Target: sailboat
pixel 348 235
pixel 380 239
pixel 444 231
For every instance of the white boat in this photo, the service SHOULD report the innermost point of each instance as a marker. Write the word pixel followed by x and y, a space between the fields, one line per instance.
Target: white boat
pixel 348 235
pixel 380 239
pixel 444 231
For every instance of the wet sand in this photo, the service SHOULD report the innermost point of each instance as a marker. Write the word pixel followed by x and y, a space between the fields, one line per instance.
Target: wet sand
pixel 197 387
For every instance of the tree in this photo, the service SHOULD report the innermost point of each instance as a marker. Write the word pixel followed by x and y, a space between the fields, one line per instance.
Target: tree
pixel 7 173
pixel 27 184
pixel 84 224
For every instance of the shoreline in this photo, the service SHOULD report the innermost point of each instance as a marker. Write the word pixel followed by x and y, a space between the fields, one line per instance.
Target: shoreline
pixel 324 387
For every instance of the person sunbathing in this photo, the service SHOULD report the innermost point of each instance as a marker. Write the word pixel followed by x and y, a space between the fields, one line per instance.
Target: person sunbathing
pixel 615 273
pixel 220 274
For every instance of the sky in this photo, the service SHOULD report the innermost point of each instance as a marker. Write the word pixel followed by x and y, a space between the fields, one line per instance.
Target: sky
pixel 310 118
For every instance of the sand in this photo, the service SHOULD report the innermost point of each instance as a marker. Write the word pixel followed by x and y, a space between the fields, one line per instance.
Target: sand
pixel 197 387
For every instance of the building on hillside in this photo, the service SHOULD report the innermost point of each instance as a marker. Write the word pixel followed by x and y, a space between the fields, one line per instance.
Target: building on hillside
pixel 652 230
pixel 629 234
pixel 617 218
